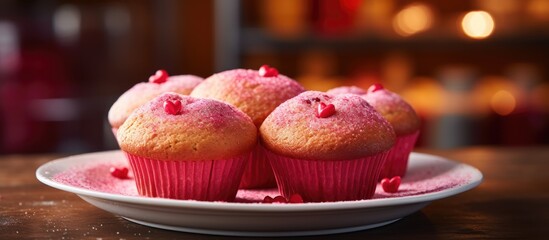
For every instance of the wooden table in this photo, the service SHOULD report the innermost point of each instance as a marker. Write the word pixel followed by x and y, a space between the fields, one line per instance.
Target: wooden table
pixel 512 202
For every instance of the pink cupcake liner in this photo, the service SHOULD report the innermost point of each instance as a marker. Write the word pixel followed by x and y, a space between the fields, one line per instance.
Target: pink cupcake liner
pixel 258 172
pixel 327 181
pixel 397 159
pixel 212 180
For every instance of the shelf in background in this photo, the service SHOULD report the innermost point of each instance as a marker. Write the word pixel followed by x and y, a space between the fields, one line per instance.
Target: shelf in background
pixel 256 39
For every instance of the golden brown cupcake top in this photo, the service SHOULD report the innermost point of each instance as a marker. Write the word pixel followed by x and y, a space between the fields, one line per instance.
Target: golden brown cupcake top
pixel 143 92
pixel 392 107
pixel 254 92
pixel 322 126
pixel 177 127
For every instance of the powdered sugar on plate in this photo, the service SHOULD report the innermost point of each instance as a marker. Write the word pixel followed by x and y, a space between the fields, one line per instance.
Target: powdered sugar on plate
pixel 430 176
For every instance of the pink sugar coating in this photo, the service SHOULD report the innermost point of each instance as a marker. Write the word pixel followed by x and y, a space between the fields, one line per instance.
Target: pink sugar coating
pixel 200 111
pixel 96 176
pixel 398 112
pixel 271 84
pixel 145 91
pixel 426 179
pixel 385 97
pixel 255 95
pixel 355 130
pixel 347 90
pixel 351 112
pixel 181 82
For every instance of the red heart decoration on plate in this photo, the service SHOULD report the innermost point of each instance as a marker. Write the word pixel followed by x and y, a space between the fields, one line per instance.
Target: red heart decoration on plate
pixel 160 76
pixel 266 71
pixel 172 107
pixel 121 173
pixel 390 185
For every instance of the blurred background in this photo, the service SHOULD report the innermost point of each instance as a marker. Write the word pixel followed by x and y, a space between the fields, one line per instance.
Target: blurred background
pixel 477 71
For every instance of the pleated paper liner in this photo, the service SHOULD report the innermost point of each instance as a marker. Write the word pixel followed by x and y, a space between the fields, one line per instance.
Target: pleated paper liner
pixel 397 159
pixel 211 180
pixel 327 181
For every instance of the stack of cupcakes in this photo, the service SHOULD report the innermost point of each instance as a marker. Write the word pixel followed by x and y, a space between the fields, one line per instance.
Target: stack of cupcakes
pixel 260 129
pixel 257 93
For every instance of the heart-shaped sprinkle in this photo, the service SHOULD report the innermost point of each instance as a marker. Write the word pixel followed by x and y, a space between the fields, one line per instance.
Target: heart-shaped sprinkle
pixel 267 199
pixel 172 107
pixel 280 199
pixel 325 111
pixel 266 71
pixel 375 87
pixel 121 173
pixel 390 185
pixel 160 76
pixel 295 198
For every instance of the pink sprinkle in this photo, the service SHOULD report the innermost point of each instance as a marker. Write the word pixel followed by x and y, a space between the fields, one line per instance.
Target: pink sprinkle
pixel 279 199
pixel 121 173
pixel 375 87
pixel 161 76
pixel 266 71
pixel 172 107
pixel 390 185
pixel 295 198
pixel 267 199
pixel 325 111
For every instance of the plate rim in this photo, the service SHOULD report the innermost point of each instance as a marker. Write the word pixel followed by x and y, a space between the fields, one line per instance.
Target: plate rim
pixel 476 179
pixel 296 233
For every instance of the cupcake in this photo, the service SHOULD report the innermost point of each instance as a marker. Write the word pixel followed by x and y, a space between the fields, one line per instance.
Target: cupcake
pixel 143 92
pixel 326 147
pixel 182 147
pixel 347 89
pixel 257 93
pixel 405 122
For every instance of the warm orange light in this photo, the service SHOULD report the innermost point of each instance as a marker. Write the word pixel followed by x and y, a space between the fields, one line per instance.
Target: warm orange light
pixel 503 102
pixel 539 9
pixel 477 24
pixel 413 19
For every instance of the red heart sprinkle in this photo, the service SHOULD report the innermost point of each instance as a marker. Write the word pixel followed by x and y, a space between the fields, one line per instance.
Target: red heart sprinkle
pixel 121 173
pixel 375 87
pixel 160 76
pixel 295 198
pixel 266 71
pixel 267 199
pixel 280 199
pixel 325 111
pixel 172 107
pixel 390 185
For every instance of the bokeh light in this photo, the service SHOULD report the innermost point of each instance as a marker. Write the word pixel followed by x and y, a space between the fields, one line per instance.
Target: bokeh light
pixel 477 24
pixel 66 23
pixel 413 19
pixel 503 102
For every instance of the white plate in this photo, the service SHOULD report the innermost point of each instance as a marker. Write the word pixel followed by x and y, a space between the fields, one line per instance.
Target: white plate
pixel 428 178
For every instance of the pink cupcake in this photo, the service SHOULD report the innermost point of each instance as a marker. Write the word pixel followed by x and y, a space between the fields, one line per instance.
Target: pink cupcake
pixel 347 89
pixel 326 147
pixel 257 93
pixel 143 92
pixel 405 122
pixel 182 147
